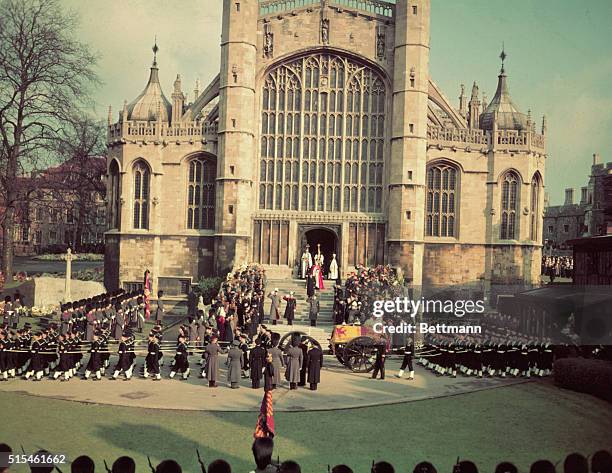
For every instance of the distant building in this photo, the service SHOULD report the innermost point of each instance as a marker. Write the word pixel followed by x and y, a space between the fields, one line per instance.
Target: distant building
pixel 60 207
pixel 590 216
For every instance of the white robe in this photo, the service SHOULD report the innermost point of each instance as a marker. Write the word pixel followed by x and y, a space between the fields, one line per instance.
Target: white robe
pixel 306 263
pixel 333 269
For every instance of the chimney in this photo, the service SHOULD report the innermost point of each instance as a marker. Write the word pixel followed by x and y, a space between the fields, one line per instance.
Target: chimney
pixel 569 196
pixel 596 159
pixel 584 195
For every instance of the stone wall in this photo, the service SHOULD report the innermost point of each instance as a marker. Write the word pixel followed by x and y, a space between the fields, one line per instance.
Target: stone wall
pixel 50 291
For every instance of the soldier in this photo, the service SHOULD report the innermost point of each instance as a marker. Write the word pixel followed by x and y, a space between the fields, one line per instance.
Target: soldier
pixel 295 359
pixel 212 361
pixel 257 358
pixel 235 364
pixel 379 363
pixel 290 307
pixel 152 359
pixel 268 373
pixel 66 318
pixel 407 361
pixel 181 362
pixel 274 306
pixel 160 311
pixel 124 363
pixel 313 310
pixel 36 363
pixel 119 322
pixel 277 359
pixel 94 365
pixel 8 312
pixel 314 360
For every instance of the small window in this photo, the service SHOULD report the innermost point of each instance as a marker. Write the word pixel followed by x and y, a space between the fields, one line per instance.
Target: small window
pixel 414 9
pixel 566 228
pixel 551 229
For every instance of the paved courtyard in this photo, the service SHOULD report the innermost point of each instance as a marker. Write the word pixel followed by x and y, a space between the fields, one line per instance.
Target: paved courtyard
pixel 339 389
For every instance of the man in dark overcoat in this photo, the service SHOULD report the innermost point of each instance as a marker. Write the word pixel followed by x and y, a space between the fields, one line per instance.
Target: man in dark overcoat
pixel 257 358
pixel 315 363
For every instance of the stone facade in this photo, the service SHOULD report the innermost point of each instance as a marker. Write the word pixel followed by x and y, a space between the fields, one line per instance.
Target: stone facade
pixel 584 218
pixel 324 126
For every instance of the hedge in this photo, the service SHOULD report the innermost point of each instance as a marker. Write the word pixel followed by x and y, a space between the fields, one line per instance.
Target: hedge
pixel 585 375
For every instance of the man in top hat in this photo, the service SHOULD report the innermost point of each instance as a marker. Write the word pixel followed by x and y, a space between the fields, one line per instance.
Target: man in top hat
pixel 314 361
pixel 257 359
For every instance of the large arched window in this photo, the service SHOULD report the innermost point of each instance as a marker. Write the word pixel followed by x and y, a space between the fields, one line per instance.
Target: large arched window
pixel 509 205
pixel 322 136
pixel 534 208
pixel 142 181
pixel 442 192
pixel 201 194
pixel 115 195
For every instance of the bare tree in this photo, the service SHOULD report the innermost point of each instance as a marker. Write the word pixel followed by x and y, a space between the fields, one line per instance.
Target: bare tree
pixel 45 72
pixel 81 142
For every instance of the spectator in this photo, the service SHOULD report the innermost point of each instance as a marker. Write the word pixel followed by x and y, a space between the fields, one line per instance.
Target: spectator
pixel 383 467
pixel 506 467
pixel 289 467
pixel 467 466
pixel 4 448
pixel 219 466
pixel 341 469
pixel 424 467
pixel 575 463
pixel 83 464
pixel 262 454
pixel 601 462
pixel 542 466
pixel 168 466
pixel 124 465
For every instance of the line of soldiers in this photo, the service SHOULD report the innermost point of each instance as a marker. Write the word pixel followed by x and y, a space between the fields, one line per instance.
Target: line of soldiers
pixel 494 357
pixel 118 310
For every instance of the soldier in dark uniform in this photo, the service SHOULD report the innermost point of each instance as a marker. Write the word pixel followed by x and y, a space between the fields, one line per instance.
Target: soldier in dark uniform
pixel 181 362
pixel 94 365
pixel 36 364
pixel 152 359
pixel 314 360
pixel 379 364
pixel 64 358
pixel 124 362
pixel 407 361
pixel 257 358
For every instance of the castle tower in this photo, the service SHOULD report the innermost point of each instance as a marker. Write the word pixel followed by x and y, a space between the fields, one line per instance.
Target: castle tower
pixel 407 165
pixel 234 186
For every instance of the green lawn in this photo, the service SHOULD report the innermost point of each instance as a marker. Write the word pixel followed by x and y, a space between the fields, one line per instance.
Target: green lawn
pixel 521 423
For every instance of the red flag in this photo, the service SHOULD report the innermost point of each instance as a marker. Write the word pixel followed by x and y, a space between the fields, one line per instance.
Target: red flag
pixel 265 421
pixel 147 294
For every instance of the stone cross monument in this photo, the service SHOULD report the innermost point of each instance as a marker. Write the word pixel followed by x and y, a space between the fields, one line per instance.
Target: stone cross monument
pixel 68 257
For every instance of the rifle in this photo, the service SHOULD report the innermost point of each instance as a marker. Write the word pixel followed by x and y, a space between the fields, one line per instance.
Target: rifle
pixel 457 467
pixel 108 470
pixel 150 464
pixel 202 465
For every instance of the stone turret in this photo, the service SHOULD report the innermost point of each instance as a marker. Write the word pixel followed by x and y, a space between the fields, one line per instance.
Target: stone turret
pixel 178 100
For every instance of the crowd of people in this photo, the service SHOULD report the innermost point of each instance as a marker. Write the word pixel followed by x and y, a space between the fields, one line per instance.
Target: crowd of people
pixel 557 267
pixel 90 331
pixel 264 462
pixel 353 303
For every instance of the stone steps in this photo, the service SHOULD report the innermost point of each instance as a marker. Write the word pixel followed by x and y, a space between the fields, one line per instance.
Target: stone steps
pixel 298 286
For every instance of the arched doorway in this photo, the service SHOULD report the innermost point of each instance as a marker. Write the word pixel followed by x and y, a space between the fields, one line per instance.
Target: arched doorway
pixel 327 238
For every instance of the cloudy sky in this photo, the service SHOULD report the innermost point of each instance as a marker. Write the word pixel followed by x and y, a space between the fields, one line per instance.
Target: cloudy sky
pixel 559 61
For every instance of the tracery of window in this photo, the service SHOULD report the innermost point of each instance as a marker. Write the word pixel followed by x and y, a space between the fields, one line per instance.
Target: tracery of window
pixel 442 193
pixel 322 136
pixel 201 194
pixel 115 200
pixel 142 177
pixel 509 204
pixel 535 208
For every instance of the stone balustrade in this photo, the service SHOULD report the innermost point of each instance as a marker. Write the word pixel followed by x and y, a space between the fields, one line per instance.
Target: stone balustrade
pixel 510 140
pixel 375 7
pixel 132 130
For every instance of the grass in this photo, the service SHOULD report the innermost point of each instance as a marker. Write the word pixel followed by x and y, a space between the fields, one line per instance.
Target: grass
pixel 520 423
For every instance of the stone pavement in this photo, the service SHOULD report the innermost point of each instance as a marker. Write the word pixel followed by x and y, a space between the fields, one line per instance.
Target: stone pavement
pixel 340 389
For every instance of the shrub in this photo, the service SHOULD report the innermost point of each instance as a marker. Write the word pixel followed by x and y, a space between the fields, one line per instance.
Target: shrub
pixel 209 288
pixel 585 375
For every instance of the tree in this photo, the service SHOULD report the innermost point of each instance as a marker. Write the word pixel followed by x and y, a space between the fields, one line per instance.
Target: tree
pixel 45 74
pixel 81 141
